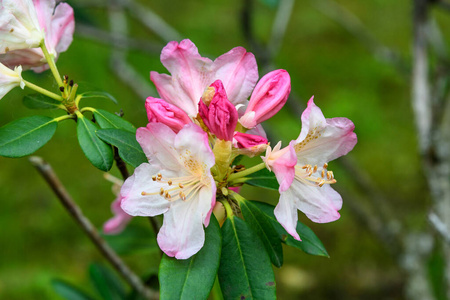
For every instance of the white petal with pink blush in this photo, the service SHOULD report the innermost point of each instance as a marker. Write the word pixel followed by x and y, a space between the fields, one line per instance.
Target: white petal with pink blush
pixel 177 182
pixel 320 141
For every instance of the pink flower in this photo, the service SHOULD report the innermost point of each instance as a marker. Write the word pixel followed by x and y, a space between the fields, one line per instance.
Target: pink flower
pixel 120 220
pixel 267 99
pixel 177 182
pixel 320 141
pixel 220 116
pixel 160 111
pixel 249 144
pixel 10 79
pixel 58 25
pixel 191 74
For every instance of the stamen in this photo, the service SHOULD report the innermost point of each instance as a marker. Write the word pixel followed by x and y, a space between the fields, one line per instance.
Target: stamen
pixel 323 173
pixel 315 169
pixel 154 178
pixel 169 182
pixel 181 185
pixel 325 165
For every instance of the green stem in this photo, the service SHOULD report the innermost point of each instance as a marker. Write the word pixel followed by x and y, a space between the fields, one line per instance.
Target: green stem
pixel 228 208
pixel 246 172
pixel 62 118
pixel 42 90
pixel 51 63
pixel 236 196
pixel 91 109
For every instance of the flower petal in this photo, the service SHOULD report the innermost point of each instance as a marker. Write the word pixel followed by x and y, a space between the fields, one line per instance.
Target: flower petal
pixel 136 204
pixel 120 220
pixel 192 142
pixel 62 27
pixel 190 75
pixel 182 234
pixel 322 140
pixel 238 71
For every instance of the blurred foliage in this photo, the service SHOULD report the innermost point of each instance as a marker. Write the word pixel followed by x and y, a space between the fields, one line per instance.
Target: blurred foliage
pixel 40 242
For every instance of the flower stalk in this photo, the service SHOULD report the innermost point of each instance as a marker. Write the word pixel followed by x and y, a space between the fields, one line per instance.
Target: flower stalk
pixel 42 91
pixel 246 172
pixel 51 63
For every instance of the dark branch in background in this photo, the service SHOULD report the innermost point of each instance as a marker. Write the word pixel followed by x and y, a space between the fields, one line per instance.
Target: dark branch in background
pixel 75 212
pixel 121 165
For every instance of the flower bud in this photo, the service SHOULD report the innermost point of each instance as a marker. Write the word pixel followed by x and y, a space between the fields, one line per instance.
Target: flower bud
pixel 159 111
pixel 268 97
pixel 9 79
pixel 220 116
pixel 249 144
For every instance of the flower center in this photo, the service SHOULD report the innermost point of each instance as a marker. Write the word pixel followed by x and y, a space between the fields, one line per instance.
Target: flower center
pixel 314 176
pixel 175 188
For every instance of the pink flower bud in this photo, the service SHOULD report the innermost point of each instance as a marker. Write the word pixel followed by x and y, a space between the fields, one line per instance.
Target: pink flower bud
pixel 220 116
pixel 249 144
pixel 159 111
pixel 268 97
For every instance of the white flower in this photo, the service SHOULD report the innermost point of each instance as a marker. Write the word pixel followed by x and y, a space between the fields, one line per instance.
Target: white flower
pixel 9 79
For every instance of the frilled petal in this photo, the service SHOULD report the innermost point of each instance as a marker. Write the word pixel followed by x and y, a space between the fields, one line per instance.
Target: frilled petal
pixel 62 27
pixel 322 140
pixel 319 204
pixel 134 202
pixel 182 234
pixel 157 141
pixel 238 71
pixel 190 75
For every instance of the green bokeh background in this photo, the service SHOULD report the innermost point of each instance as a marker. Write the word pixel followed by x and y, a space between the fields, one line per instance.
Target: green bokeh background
pixel 39 241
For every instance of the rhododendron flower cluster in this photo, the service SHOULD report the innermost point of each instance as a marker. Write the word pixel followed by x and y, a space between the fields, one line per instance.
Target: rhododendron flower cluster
pixel 196 132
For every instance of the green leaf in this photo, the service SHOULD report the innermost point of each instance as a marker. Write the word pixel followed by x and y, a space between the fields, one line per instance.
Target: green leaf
pixel 24 136
pixel 262 226
pixel 310 243
pixel 108 120
pixel 245 270
pixel 69 291
pixel 39 101
pixel 192 278
pixel 263 178
pixel 106 283
pixel 132 239
pixel 98 94
pixel 99 153
pixel 129 149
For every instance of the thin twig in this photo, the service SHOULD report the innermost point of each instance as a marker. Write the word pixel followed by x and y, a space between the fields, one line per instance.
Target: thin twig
pixel 74 210
pixel 121 165
pixel 279 26
pixel 439 227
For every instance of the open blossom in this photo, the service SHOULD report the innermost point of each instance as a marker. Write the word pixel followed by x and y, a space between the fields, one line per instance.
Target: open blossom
pixel 191 74
pixel 267 99
pixel 220 116
pixel 9 79
pixel 57 25
pixel 19 25
pixel 177 182
pixel 320 141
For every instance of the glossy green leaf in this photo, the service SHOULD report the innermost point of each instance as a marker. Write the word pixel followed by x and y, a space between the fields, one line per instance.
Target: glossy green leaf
pixel 262 226
pixel 69 291
pixel 263 178
pixel 133 239
pixel 24 136
pixel 108 120
pixel 309 243
pixel 106 283
pixel 98 152
pixel 39 101
pixel 98 94
pixel 192 278
pixel 129 149
pixel 245 270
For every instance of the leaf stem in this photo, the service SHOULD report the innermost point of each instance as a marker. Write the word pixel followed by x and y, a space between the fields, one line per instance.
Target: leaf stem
pixel 51 63
pixel 228 208
pixel 42 90
pixel 246 172
pixel 62 118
